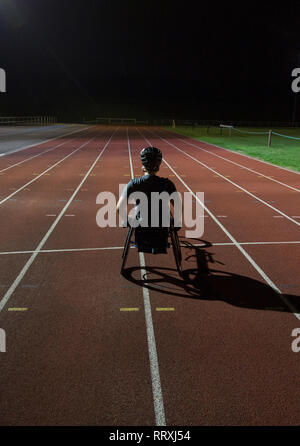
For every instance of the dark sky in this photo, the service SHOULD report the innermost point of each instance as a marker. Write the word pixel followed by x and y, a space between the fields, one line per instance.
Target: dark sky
pixel 190 59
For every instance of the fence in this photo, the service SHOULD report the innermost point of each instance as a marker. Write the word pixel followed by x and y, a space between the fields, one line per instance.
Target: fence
pixel 186 122
pixel 27 120
pixel 270 133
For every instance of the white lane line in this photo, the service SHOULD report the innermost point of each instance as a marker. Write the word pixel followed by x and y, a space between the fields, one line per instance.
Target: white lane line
pixel 44 142
pixel 239 165
pixel 45 171
pixel 108 248
pixel 152 351
pixel 239 153
pixel 237 244
pixel 297 242
pixel 229 181
pixel 62 250
pixel 41 251
pixel 29 262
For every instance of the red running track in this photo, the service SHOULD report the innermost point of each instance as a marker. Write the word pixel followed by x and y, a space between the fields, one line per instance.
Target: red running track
pixel 223 355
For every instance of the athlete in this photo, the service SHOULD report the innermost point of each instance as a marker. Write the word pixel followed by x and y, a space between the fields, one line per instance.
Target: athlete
pixel 148 183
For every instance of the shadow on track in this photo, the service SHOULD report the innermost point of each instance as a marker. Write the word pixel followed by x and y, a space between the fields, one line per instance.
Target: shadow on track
pixel 203 282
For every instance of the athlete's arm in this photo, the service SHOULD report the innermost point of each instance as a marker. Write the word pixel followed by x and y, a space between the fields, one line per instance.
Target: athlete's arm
pixel 122 201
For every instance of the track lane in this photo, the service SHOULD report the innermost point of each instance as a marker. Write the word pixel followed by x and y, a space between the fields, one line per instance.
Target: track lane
pixel 30 176
pixel 231 234
pixel 287 176
pixel 13 146
pixel 11 165
pixel 44 197
pixel 25 221
pixel 75 335
pixel 217 352
pixel 273 195
pixel 75 358
pixel 102 178
pixel 235 163
pixel 225 354
pixel 216 188
pixel 22 173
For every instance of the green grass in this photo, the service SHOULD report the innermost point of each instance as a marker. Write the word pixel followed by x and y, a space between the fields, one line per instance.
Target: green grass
pixel 283 152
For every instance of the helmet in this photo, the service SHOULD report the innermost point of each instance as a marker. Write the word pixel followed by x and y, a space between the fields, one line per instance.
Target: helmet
pixel 151 157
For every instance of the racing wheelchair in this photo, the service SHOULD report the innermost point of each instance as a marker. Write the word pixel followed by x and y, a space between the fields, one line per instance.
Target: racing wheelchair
pixel 154 241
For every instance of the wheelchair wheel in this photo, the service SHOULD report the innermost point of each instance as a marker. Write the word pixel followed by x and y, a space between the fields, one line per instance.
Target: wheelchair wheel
pixel 126 248
pixel 176 249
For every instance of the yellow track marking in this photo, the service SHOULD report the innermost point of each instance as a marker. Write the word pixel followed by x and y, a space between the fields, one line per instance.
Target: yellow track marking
pixel 129 309
pixel 165 309
pixel 17 309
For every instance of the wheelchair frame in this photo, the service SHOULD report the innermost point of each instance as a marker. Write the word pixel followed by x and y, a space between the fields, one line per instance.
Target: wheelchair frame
pixel 174 242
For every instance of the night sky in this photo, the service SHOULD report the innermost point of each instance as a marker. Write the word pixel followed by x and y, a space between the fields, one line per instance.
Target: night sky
pixel 200 60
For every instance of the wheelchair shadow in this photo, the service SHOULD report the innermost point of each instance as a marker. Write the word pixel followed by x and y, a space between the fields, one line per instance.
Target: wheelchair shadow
pixel 204 282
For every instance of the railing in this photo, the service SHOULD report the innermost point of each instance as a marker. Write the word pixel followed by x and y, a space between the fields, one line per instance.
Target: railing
pixel 27 120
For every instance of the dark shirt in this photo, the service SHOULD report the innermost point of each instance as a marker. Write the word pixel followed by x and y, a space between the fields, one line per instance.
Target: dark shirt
pixel 148 184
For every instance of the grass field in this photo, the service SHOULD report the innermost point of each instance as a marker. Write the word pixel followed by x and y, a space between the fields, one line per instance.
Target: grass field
pixel 283 152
